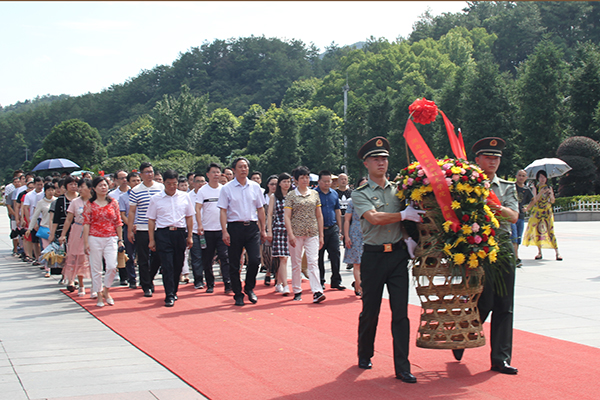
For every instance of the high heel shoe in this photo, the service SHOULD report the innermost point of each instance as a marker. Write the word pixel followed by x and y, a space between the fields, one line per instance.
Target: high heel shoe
pixel 107 298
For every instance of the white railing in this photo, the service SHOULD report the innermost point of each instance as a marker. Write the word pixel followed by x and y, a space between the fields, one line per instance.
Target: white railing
pixel 580 205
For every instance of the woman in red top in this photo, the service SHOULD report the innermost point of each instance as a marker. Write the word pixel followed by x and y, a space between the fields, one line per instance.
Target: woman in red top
pixel 102 236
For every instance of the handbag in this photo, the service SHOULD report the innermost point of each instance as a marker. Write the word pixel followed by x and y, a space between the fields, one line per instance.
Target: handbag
pixel 43 232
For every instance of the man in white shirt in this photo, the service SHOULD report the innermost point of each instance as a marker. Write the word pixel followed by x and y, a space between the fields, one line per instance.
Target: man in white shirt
pixel 32 245
pixel 243 226
pixel 122 186
pixel 171 213
pixel 139 199
pixel 209 224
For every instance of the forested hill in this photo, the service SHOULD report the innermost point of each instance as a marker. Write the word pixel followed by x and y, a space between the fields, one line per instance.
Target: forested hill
pixel 526 71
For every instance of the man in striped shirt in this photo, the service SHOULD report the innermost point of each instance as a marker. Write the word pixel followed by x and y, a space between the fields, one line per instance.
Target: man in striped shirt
pixel 139 198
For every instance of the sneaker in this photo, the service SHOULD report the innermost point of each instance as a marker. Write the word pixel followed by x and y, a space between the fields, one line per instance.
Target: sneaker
pixel 199 286
pixel 279 288
pixel 318 297
pixel 286 290
pixel 297 296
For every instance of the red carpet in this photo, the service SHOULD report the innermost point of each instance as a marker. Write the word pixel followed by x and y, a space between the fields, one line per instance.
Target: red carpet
pixel 281 349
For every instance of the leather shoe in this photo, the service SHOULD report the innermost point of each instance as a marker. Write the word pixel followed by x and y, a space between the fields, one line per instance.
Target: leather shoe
pixel 364 363
pixel 458 354
pixel 210 289
pixel 251 296
pixel 504 368
pixel 169 303
pixel 147 293
pixel 239 302
pixel 339 287
pixel 407 377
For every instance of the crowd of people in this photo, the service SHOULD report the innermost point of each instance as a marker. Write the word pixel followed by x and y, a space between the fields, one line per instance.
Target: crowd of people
pixel 138 223
pixel 186 225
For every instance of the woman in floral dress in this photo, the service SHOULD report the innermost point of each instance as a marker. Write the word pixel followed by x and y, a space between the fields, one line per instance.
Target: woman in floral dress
pixel 540 228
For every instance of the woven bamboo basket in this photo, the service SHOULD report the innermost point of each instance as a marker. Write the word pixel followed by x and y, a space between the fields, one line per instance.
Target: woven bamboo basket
pixel 449 313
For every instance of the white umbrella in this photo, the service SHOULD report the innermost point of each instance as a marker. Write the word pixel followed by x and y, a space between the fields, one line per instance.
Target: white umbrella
pixel 553 166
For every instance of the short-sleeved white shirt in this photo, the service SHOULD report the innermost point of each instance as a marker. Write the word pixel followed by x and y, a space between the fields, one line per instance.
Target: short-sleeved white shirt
pixel 170 210
pixel 211 214
pixel 241 202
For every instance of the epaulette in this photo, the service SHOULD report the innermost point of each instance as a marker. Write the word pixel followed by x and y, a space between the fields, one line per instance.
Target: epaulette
pixel 505 181
pixel 362 186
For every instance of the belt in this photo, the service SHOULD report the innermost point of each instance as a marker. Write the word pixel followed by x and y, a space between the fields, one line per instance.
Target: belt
pixel 384 248
pixel 329 227
pixel 245 223
pixel 171 228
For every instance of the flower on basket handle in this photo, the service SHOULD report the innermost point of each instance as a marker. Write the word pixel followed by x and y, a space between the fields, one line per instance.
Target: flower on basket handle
pixel 423 111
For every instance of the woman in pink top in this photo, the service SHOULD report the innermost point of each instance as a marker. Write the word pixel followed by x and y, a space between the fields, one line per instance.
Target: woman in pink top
pixel 102 236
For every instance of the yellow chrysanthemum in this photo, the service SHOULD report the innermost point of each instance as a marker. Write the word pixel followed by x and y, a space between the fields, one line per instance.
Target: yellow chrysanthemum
pixel 459 241
pixel 466 229
pixel 400 194
pixel 473 263
pixel 471 200
pixel 493 256
pixel 447 248
pixel 447 226
pixel 459 258
pixel 495 222
pixel 417 194
pixel 455 205
pixel 491 241
pixel 455 170
pixel 478 191
pixel 481 254
pixel 487 229
pixel 405 181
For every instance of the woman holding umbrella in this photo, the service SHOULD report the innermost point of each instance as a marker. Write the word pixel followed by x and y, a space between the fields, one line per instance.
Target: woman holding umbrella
pixel 540 229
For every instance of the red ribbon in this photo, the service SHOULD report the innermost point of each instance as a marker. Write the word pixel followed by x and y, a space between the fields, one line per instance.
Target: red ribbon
pixel 456 143
pixel 433 171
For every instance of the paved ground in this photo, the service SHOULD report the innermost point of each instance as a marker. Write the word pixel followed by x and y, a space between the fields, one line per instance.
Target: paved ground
pixel 53 349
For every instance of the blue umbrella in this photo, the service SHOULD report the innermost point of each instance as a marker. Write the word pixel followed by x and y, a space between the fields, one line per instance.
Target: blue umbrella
pixel 55 163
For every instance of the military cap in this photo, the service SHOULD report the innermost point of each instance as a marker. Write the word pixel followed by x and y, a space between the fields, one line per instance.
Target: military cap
pixel 489 146
pixel 378 146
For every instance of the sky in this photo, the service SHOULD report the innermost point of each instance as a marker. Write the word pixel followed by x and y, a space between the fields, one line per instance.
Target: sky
pixel 80 47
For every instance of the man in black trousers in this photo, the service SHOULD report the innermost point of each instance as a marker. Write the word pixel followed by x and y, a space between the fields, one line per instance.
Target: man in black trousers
pixel 488 154
pixel 243 225
pixel 170 227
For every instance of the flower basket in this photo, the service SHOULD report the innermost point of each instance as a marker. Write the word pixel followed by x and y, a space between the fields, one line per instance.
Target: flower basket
pixel 450 259
pixel 449 313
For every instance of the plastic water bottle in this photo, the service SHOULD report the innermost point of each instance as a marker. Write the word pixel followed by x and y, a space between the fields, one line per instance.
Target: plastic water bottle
pixel 202 242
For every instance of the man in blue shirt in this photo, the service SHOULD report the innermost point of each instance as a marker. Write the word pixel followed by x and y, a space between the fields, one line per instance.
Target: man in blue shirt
pixel 332 227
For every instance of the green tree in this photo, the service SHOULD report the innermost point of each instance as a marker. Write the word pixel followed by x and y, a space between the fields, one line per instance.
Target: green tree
pixel 264 129
pixel 134 137
pixel 247 125
pixel 75 140
pixel 488 111
pixel 321 140
pixel 585 90
pixel 301 93
pixel 284 152
pixel 219 137
pixel 178 122
pixel 541 121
